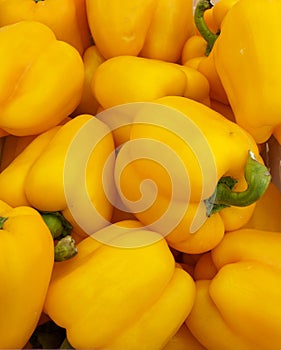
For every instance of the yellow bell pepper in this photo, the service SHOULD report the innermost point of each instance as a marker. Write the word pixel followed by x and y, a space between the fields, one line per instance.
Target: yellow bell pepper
pixel 172 24
pixel 45 176
pixel 244 58
pixel 67 21
pixel 150 28
pixel 88 104
pixel 122 30
pixel 41 78
pixel 220 9
pixel 194 156
pixel 241 303
pixel 125 79
pixel 27 259
pixel 124 291
pixel 194 47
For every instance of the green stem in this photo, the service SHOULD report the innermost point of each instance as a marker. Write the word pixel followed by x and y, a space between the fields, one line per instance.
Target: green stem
pixel 257 177
pixel 200 23
pixel 2 220
pixel 57 224
pixel 65 249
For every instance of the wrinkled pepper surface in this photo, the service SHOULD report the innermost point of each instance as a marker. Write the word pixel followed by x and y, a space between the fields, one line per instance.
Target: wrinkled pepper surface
pixel 171 142
pixel 26 263
pixel 239 307
pixel 37 176
pixel 122 292
pixel 150 28
pixel 41 78
pixel 68 20
pixel 248 65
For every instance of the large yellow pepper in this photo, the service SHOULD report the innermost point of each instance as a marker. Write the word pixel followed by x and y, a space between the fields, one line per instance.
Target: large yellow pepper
pixel 38 175
pixel 151 28
pixel 122 291
pixel 41 78
pixel 68 20
pixel 244 58
pixel 194 156
pixel 239 308
pixel 27 259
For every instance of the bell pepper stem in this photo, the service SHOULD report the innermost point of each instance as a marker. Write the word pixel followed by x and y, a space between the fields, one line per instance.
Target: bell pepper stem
pixel 257 177
pixel 2 220
pixel 57 224
pixel 201 25
pixel 65 249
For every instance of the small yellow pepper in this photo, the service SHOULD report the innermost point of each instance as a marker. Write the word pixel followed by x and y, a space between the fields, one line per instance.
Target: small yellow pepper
pixel 27 259
pixel 67 21
pixel 88 104
pixel 129 294
pixel 41 78
pixel 194 47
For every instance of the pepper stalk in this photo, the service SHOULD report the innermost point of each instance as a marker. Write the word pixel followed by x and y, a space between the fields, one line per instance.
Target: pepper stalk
pixel 201 25
pixel 257 177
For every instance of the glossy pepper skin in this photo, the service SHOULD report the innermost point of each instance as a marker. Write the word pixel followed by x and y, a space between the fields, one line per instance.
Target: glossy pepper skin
pixel 122 30
pixel 244 57
pixel 241 302
pixel 150 28
pixel 172 24
pixel 26 263
pixel 38 172
pixel 68 20
pixel 166 133
pixel 35 58
pixel 126 79
pixel 128 294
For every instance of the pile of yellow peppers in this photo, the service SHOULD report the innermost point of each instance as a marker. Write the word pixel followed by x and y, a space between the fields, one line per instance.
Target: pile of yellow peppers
pixel 139 199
